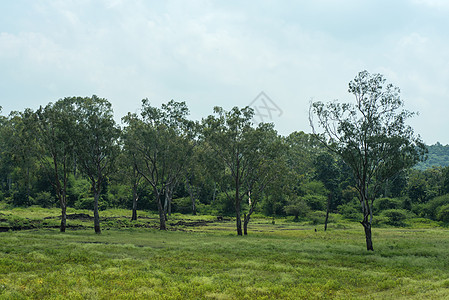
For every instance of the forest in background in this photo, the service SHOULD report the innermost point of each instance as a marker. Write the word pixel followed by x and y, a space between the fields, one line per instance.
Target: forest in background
pixel 97 164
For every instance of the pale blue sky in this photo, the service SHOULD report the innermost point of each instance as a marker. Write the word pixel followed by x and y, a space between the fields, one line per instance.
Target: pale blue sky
pixel 225 53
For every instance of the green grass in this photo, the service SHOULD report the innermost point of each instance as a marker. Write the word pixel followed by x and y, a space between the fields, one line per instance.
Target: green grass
pixel 281 261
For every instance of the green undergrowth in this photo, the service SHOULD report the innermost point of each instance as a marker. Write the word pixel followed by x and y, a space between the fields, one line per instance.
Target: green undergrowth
pixel 285 260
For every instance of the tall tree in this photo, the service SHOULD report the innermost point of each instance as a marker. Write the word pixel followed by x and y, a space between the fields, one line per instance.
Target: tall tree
pixel 21 148
pixel 55 124
pixel 96 147
pixel 162 140
pixel 370 135
pixel 247 155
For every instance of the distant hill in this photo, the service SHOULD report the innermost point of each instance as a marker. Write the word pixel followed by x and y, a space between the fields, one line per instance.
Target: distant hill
pixel 438 156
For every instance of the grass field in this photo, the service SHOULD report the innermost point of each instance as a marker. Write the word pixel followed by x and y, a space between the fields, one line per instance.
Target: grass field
pixel 208 261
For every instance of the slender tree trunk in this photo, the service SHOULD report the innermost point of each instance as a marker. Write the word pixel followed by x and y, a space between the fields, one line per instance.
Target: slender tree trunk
pixel 162 225
pixel 246 219
pixel 63 217
pixel 238 220
pixel 368 237
pixel 329 197
pixel 96 214
pixel 135 199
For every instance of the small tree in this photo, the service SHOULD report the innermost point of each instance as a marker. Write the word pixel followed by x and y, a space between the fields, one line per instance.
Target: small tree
pixel 370 136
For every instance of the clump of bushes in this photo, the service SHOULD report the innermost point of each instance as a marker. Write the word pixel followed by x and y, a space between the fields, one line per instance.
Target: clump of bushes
pixel 395 217
pixel 351 210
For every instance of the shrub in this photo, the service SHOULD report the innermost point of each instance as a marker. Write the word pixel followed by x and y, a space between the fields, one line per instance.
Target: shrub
pixel 182 205
pixel 297 208
pixel 430 209
pixel 318 217
pixel 395 217
pixel 44 199
pixel 351 210
pixel 88 203
pixel 315 202
pixel 382 204
pixel 443 213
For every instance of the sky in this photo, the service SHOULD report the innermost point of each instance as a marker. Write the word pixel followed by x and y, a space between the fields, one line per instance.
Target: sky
pixel 274 55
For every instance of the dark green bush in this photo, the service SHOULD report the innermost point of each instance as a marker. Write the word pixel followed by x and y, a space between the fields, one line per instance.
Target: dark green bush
pixel 382 204
pixel 395 217
pixel 430 209
pixel 88 203
pixel 443 213
pixel 351 210
pixel 182 205
pixel 318 217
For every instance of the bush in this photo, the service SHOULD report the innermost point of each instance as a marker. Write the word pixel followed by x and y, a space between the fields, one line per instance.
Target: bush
pixel 88 203
pixel 430 209
pixel 224 206
pixel 44 199
pixel 395 217
pixel 318 217
pixel 443 213
pixel 351 210
pixel 315 202
pixel 297 208
pixel 182 205
pixel 382 204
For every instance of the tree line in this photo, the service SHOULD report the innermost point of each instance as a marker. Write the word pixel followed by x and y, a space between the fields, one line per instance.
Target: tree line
pixel 72 153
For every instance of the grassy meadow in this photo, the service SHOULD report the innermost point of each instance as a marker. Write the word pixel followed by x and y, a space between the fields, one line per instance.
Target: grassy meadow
pixel 202 258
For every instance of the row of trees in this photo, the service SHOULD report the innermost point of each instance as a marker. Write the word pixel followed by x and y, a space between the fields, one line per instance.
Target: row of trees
pixel 73 151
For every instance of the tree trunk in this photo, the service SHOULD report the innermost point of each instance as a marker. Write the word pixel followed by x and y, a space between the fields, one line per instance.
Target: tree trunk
pixel 329 197
pixel 368 237
pixel 238 219
pixel 162 225
pixel 63 217
pixel 135 199
pixel 96 214
pixel 246 219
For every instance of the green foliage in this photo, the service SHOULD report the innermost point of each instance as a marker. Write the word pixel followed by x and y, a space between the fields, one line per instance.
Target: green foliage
pixel 395 217
pixel 351 210
pixel 443 213
pixel 318 217
pixel 296 207
pixel 437 156
pixel 382 204
pixel 88 203
pixel 430 209
pixel 182 205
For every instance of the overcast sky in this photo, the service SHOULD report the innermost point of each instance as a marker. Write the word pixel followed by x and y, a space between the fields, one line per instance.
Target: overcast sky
pixel 225 53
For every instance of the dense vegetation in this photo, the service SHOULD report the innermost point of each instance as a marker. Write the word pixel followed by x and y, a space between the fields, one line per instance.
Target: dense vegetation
pixel 202 185
pixel 72 154
pixel 437 156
